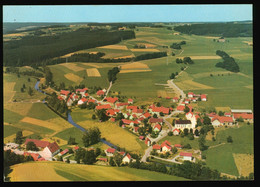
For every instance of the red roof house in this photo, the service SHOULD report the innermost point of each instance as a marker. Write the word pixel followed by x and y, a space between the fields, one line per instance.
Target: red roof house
pixel 100 92
pixel 38 143
pixel 106 106
pixel 180 108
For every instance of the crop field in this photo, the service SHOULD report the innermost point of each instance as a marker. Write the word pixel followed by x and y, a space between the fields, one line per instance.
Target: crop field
pixel 134 67
pixel 120 47
pixel 244 163
pixel 93 72
pixel 58 171
pixel 73 66
pixel 73 77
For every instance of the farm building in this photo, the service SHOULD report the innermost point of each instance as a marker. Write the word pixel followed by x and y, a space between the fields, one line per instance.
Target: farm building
pixel 51 150
pixel 222 120
pixel 64 94
pixel 40 144
pixel 243 113
pixel 110 151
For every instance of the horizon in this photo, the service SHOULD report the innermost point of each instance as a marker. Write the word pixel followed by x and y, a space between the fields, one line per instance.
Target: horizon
pixel 127 13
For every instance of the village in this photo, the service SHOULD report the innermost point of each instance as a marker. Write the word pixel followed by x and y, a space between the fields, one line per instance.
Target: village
pixel 149 124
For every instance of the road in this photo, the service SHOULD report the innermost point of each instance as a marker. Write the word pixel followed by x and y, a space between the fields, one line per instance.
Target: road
pixel 163 134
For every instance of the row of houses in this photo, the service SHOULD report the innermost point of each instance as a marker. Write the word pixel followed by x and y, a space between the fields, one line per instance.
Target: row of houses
pixel 126 156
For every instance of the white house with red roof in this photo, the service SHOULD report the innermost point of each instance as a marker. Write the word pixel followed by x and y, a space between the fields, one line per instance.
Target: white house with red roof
pixel 127 158
pixel 175 99
pixel 176 132
pixel 203 97
pixel 100 93
pixel 157 128
pixel 64 94
pixel 121 105
pixel 166 146
pixel 147 141
pixel 130 101
pixel 51 150
pixel 110 151
pixel 186 156
pixel 222 120
pixel 82 100
pixel 82 91
pixel 190 94
pixel 100 107
pixel 157 147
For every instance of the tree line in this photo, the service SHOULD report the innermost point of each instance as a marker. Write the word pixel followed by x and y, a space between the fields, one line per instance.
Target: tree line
pixel 33 49
pixel 177 45
pixel 228 63
pixel 220 29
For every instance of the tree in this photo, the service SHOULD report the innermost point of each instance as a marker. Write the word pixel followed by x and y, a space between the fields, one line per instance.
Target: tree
pixel 22 90
pixel 117 159
pixel 186 109
pixel 31 146
pixel 196 132
pixel 89 157
pixel 71 141
pixel 172 76
pixel 29 80
pixel 185 131
pixel 30 91
pixel 229 139
pixel 102 115
pixel 19 137
pixel 94 117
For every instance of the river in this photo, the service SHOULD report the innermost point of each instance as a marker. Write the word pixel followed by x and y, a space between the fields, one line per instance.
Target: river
pixel 70 120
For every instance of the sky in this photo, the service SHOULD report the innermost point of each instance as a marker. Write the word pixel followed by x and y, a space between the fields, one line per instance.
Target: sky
pixel 128 13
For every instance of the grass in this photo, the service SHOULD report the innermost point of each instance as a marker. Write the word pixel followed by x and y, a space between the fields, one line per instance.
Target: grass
pixel 40 111
pixel 9 130
pixel 59 171
pixel 73 132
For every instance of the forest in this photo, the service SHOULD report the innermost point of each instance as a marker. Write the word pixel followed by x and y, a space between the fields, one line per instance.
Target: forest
pixel 35 49
pixel 219 29
pixel 228 63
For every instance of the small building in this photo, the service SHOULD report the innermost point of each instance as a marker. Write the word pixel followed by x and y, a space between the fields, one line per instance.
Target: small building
pixel 186 156
pixel 130 101
pixel 156 120
pixel 203 97
pixel 110 151
pixel 82 101
pixel 157 147
pixel 100 93
pixel 64 94
pixel 180 108
pixel 178 146
pixel 51 150
pixel 127 158
pixel 157 128
pixel 175 99
pixel 147 141
pixel 190 94
pixel 176 132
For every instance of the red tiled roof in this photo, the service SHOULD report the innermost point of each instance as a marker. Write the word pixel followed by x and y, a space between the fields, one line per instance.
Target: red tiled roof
pixel 190 93
pixel 35 156
pixel 176 130
pixel 112 111
pixel 157 126
pixel 122 104
pixel 156 146
pixel 100 92
pixel 111 99
pixel 112 119
pixel 60 98
pixel 155 120
pixel 111 150
pixel 86 94
pixel 91 101
pixel 137 110
pixel 80 90
pixel 185 154
pixel 176 98
pixel 131 107
pixel 106 106
pixel 130 100
pixel 147 115
pixel 160 109
pixel 53 147
pixel 178 145
pixel 222 119
pixel 180 107
pixel 64 151
pixel 147 140
pixel 126 121
pixel 203 96
pixel 243 115
pixel 128 156
pixel 64 92
pixel 102 159
pixel 84 99
pixel 166 144
pixel 38 143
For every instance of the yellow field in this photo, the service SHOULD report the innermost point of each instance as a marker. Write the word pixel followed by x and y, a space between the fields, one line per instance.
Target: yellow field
pixel 14 34
pixel 128 56
pixel 51 124
pixel 134 71
pixel 191 85
pixel 12 137
pixel 115 135
pixel 148 45
pixel 144 50
pixel 248 42
pixel 8 91
pixel 164 94
pixel 93 72
pixel 73 77
pixel 120 47
pixel 35 171
pixel 135 65
pixel 72 66
pixel 20 108
pixel 249 86
pixel 244 163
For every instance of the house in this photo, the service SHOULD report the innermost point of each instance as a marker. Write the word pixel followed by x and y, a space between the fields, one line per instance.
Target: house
pixel 127 158
pixel 65 151
pixel 130 122
pixel 156 120
pixel 82 101
pixel 212 115
pixel 243 113
pixel 92 101
pixel 40 144
pixel 121 105
pixel 203 97
pixel 81 91
pixel 175 99
pixel 186 101
pixel 186 156
pixel 111 99
pixel 147 141
pixel 157 110
pixel 228 114
pixel 146 115
pixel 130 108
pixel 112 112
pixel 51 150
pixel 166 146
pixel 190 94
pixel 110 151
pixel 100 93
pixel 135 129
pixel 180 108
pixel 178 146
pixel 137 112
pixel 100 107
pixel 193 99
pixel 176 131
pixel 35 156
pixel 157 148
pixel 64 94
pixel 112 119
pixel 141 137
pixel 157 128
pixel 222 120
pixel 181 124
pixel 130 101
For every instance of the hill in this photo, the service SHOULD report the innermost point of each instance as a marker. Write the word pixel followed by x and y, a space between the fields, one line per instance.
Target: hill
pixel 59 171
